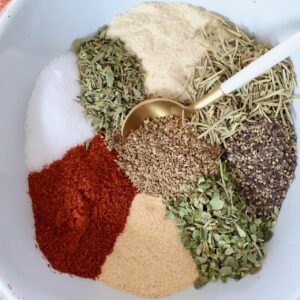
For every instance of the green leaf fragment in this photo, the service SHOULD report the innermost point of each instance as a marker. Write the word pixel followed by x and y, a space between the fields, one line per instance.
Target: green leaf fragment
pixel 109 76
pixel 241 232
pixel 253 228
pixel 226 271
pixel 216 203
pixel 170 215
pixel 254 259
pixel 196 234
pixel 229 251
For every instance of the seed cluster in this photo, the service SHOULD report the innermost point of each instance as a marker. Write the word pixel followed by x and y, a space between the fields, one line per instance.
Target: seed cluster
pixel 262 159
pixel 164 154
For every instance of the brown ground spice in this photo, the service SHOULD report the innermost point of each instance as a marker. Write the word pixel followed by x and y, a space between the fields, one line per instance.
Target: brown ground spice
pixel 262 158
pixel 164 154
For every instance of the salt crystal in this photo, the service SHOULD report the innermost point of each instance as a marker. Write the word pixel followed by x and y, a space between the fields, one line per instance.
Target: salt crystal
pixel 55 121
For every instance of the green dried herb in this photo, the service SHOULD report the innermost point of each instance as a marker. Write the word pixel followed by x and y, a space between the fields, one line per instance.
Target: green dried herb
pixel 221 231
pixel 111 79
pixel 230 50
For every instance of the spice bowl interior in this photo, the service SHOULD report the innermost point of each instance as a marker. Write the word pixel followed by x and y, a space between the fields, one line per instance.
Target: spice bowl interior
pixel 31 34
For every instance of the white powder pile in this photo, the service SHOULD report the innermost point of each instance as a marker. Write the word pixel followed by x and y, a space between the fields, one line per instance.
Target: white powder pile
pixel 149 259
pixel 164 36
pixel 55 121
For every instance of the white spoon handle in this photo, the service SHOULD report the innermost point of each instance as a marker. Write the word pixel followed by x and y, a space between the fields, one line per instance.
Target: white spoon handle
pixel 262 64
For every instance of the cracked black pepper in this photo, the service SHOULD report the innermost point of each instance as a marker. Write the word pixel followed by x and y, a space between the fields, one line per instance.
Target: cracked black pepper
pixel 262 158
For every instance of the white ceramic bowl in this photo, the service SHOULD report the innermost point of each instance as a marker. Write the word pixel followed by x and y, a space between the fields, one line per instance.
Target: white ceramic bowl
pixel 31 34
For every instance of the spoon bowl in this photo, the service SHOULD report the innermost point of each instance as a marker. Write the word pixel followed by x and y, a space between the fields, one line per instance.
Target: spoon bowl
pixel 162 107
pixel 149 109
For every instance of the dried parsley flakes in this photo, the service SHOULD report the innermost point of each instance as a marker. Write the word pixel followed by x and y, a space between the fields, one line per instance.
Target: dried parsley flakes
pixel 111 80
pixel 221 231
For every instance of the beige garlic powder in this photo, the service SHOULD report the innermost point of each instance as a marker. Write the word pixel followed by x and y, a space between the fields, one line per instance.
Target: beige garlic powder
pixel 149 259
pixel 164 36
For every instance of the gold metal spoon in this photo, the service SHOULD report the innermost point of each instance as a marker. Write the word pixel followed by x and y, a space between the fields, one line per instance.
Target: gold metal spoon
pixel 161 107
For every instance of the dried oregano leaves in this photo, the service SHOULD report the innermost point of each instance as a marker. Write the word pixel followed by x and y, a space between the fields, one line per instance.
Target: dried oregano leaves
pixel 111 80
pixel 163 154
pixel 230 50
pixel 262 158
pixel 221 231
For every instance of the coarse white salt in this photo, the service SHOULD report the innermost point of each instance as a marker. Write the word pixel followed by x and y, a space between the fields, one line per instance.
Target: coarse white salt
pixel 55 121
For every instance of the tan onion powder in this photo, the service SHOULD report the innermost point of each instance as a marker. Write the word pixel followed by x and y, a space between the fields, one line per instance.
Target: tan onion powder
pixel 149 259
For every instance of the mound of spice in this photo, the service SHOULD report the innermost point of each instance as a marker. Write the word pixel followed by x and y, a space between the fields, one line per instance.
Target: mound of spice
pixel 262 158
pixel 163 154
pixel 149 259
pixel 80 205
pixel 55 123
pixel 111 79
pixel 224 236
pixel 164 36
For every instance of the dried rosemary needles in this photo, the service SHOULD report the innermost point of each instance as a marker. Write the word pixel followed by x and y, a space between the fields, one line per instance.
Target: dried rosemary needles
pixel 229 50
pixel 111 80
pixel 221 231
pixel 163 154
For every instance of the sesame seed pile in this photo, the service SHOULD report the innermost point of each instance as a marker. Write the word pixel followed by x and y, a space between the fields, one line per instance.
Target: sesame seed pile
pixel 164 154
pixel 262 158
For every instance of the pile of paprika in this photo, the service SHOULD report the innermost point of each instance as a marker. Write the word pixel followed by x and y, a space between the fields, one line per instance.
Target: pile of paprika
pixel 80 205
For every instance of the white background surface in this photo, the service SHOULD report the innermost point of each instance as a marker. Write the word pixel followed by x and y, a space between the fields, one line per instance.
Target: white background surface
pixel 31 34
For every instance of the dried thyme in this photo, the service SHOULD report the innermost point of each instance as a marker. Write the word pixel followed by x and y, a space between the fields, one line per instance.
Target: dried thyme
pixel 262 158
pixel 220 230
pixel 163 154
pixel 111 80
pixel 230 50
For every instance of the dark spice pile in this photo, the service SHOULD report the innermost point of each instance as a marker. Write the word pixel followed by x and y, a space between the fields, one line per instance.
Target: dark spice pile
pixel 262 158
pixel 164 154
pixel 80 205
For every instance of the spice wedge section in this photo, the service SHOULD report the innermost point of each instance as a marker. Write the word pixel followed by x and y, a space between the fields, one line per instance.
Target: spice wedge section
pixel 224 236
pixel 80 205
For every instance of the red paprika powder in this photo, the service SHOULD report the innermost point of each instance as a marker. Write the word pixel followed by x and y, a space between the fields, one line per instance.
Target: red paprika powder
pixel 80 205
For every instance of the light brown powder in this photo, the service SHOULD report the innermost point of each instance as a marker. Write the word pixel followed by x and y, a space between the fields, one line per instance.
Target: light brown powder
pixel 149 259
pixel 164 154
